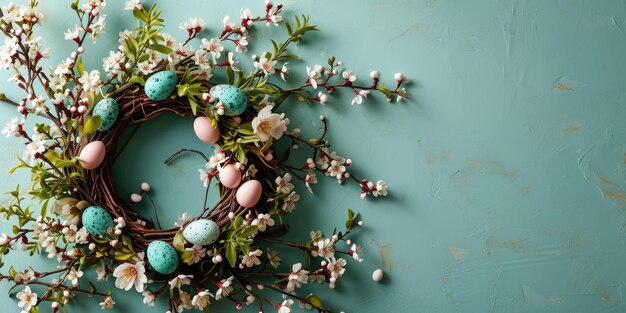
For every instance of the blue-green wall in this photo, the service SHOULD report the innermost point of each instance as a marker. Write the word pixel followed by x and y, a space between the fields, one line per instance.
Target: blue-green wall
pixel 507 167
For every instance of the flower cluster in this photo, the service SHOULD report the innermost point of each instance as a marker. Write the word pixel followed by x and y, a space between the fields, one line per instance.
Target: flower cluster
pixel 258 186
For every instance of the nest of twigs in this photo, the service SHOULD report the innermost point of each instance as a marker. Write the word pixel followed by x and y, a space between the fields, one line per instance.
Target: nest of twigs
pixel 135 108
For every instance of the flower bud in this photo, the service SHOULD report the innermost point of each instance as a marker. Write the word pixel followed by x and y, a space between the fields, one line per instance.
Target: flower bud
pixel 374 74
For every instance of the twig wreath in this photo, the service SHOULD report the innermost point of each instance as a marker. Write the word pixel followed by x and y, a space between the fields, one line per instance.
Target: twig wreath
pixel 225 252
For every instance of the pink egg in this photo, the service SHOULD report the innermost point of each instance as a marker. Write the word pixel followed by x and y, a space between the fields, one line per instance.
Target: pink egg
pixel 205 130
pixel 230 176
pixel 249 193
pixel 92 155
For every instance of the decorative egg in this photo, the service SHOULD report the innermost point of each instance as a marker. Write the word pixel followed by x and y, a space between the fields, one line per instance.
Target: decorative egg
pixel 205 130
pixel 161 85
pixel 162 257
pixel 233 98
pixel 249 193
pixel 97 220
pixel 202 232
pixel 230 176
pixel 107 109
pixel 92 155
pixel 217 90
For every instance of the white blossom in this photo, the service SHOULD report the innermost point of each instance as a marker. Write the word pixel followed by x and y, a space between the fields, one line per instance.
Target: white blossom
pixel 267 66
pixel 129 274
pixel 360 96
pixel 11 128
pixel 267 124
pixel 107 303
pixel 214 46
pixel 28 299
pixel 73 275
pixel 225 288
pixel 73 33
pixel 90 81
pixel 284 184
pixel 262 221
pixel 285 307
pixel 149 298
pixel 180 280
pixel 252 258
pixel 290 202
pixel 133 4
pixel 202 299
pixel 297 277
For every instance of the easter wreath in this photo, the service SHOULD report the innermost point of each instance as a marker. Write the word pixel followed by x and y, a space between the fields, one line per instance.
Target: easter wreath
pixel 215 255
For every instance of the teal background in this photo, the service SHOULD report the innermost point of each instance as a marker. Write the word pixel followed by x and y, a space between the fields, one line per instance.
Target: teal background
pixel 506 168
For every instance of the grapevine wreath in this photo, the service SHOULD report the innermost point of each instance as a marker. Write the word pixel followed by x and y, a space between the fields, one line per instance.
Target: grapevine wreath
pixel 226 251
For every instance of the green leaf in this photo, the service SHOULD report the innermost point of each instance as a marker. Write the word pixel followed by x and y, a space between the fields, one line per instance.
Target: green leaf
pixel 92 124
pixel 79 66
pixel 138 14
pixel 230 74
pixel 161 48
pixel 231 253
pixel 314 300
pixel 179 242
pixel 137 79
pixel 249 232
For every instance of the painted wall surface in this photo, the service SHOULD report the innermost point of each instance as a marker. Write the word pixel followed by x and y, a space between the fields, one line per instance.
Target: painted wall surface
pixel 507 167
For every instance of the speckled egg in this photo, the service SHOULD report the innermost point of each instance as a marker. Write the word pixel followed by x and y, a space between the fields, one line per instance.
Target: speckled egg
pixel 92 155
pixel 162 257
pixel 249 193
pixel 96 220
pixel 233 98
pixel 217 90
pixel 107 109
pixel 202 232
pixel 205 131
pixel 161 85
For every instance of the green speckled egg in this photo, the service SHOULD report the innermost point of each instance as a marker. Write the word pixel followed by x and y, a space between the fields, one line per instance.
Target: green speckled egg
pixel 161 85
pixel 162 257
pixel 97 220
pixel 202 232
pixel 234 100
pixel 107 109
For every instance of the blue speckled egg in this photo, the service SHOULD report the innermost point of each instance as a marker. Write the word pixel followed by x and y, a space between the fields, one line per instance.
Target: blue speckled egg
pixel 161 85
pixel 202 232
pixel 234 99
pixel 97 220
pixel 162 257
pixel 216 91
pixel 107 109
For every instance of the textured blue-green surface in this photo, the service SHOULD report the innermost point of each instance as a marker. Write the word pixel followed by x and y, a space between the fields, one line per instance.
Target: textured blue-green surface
pixel 507 169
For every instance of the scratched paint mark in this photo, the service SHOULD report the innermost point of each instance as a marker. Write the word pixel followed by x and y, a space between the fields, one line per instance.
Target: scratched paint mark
pixel 492 242
pixel 565 84
pixel 624 158
pixel 385 256
pixel 532 298
pixel 458 254
pixel 553 299
pixel 438 156
pixel 482 167
pixel 619 27
pixel 525 191
pixel 611 190
pixel 572 128
pixel 605 296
